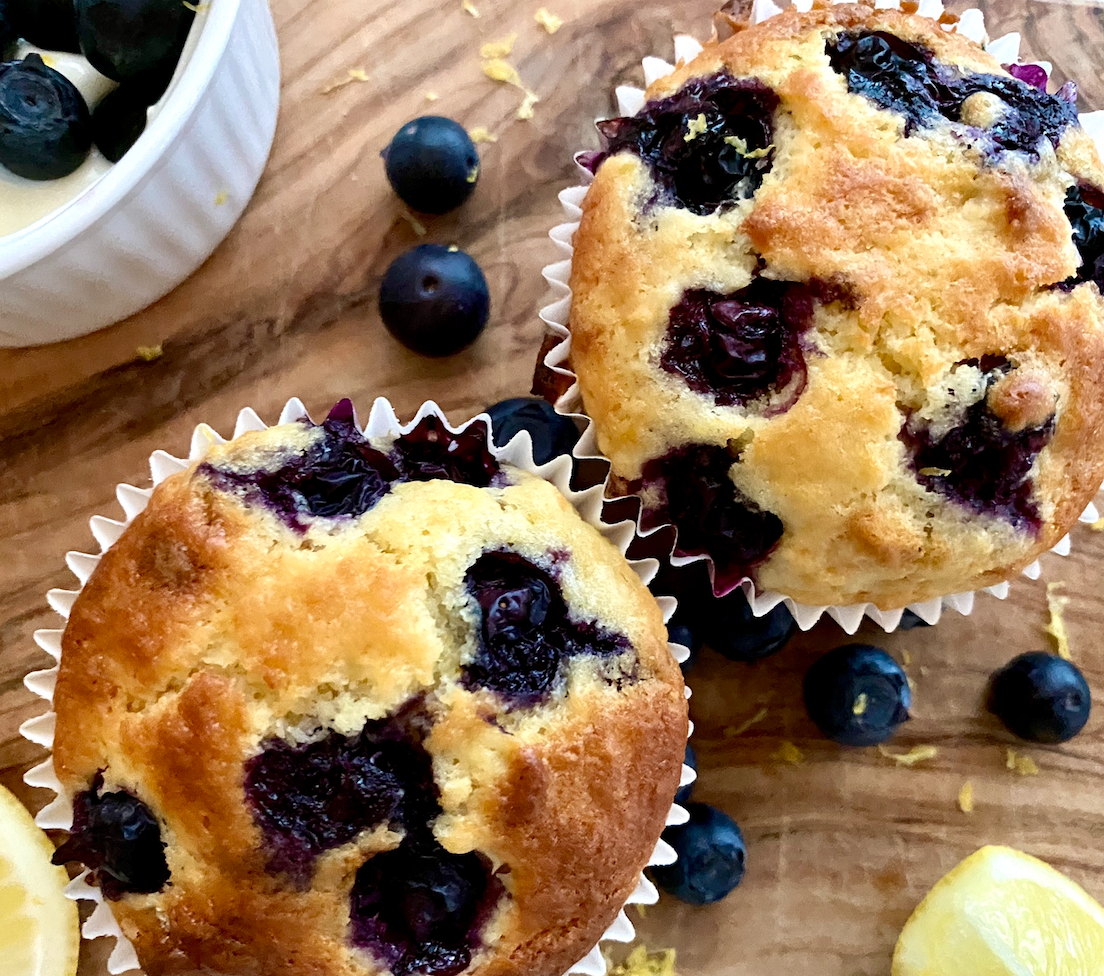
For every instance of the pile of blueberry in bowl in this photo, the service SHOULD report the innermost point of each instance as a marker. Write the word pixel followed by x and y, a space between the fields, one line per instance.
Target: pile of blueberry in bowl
pixel 79 76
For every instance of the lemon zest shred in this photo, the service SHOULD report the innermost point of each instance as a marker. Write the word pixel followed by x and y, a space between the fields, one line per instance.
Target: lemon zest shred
pixel 221 197
pixel 966 797
pixel 789 753
pixel 525 109
pixel 480 134
pixel 469 8
pixel 745 725
pixel 644 962
pixel 741 146
pixel 431 96
pixel 695 127
pixel 917 754
pixel 416 225
pixel 1056 626
pixel 351 76
pixel 499 70
pixel 859 708
pixel 498 49
pixel 1021 765
pixel 548 20
pixel 1098 525
pixel 150 353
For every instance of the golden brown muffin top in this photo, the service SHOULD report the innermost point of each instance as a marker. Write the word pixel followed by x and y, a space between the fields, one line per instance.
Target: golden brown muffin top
pixel 347 731
pixel 870 366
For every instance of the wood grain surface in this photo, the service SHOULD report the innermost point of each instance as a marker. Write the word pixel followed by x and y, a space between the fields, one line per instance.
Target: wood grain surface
pixel 844 843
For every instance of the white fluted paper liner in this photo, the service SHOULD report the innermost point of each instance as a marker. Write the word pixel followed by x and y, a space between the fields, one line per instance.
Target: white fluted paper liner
pixel 556 315
pixel 382 423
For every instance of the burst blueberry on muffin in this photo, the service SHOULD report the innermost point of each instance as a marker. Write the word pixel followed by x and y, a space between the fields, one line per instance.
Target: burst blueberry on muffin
pixel 837 309
pixel 343 708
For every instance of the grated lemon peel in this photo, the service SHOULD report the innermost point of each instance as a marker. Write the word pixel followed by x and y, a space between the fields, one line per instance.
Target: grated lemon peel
pixel 548 20
pixel 1019 764
pixel 351 76
pixel 644 962
pixel 498 49
pixel 917 754
pixel 789 753
pixel 740 729
pixel 966 797
pixel 1056 626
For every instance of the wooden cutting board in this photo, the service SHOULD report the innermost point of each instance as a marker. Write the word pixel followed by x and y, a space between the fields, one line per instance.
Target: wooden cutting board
pixel 841 845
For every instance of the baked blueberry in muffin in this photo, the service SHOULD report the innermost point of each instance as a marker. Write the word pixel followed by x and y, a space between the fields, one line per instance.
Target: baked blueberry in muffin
pixel 836 308
pixel 344 707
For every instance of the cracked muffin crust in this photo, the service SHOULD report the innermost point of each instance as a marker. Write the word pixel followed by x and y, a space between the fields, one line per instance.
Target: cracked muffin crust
pixel 342 708
pixel 836 308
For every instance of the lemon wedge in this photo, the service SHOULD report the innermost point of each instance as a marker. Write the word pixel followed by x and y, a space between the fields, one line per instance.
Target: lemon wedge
pixel 39 934
pixel 1003 913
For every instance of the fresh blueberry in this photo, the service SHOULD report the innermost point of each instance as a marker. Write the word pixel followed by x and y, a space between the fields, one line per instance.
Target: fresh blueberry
pixel 857 695
pixel 45 128
pixel 684 792
pixel 552 434
pixel 434 300
pixel 910 621
pixel 117 836
pixel 126 39
pixel 732 630
pixel 118 121
pixel 711 857
pixel 432 164
pixel 49 24
pixel 1041 697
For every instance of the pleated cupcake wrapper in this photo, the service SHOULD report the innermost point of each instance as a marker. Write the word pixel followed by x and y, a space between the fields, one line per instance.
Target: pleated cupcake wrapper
pixel 556 316
pixel 382 423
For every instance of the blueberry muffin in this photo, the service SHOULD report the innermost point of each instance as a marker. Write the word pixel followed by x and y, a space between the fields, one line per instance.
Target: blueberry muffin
pixel 338 707
pixel 837 308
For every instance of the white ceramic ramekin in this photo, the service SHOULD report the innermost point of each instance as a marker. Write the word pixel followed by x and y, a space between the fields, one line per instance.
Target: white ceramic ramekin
pixel 157 215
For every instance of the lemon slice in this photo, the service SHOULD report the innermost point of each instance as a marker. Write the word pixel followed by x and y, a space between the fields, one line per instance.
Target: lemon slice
pixel 1003 913
pixel 39 934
